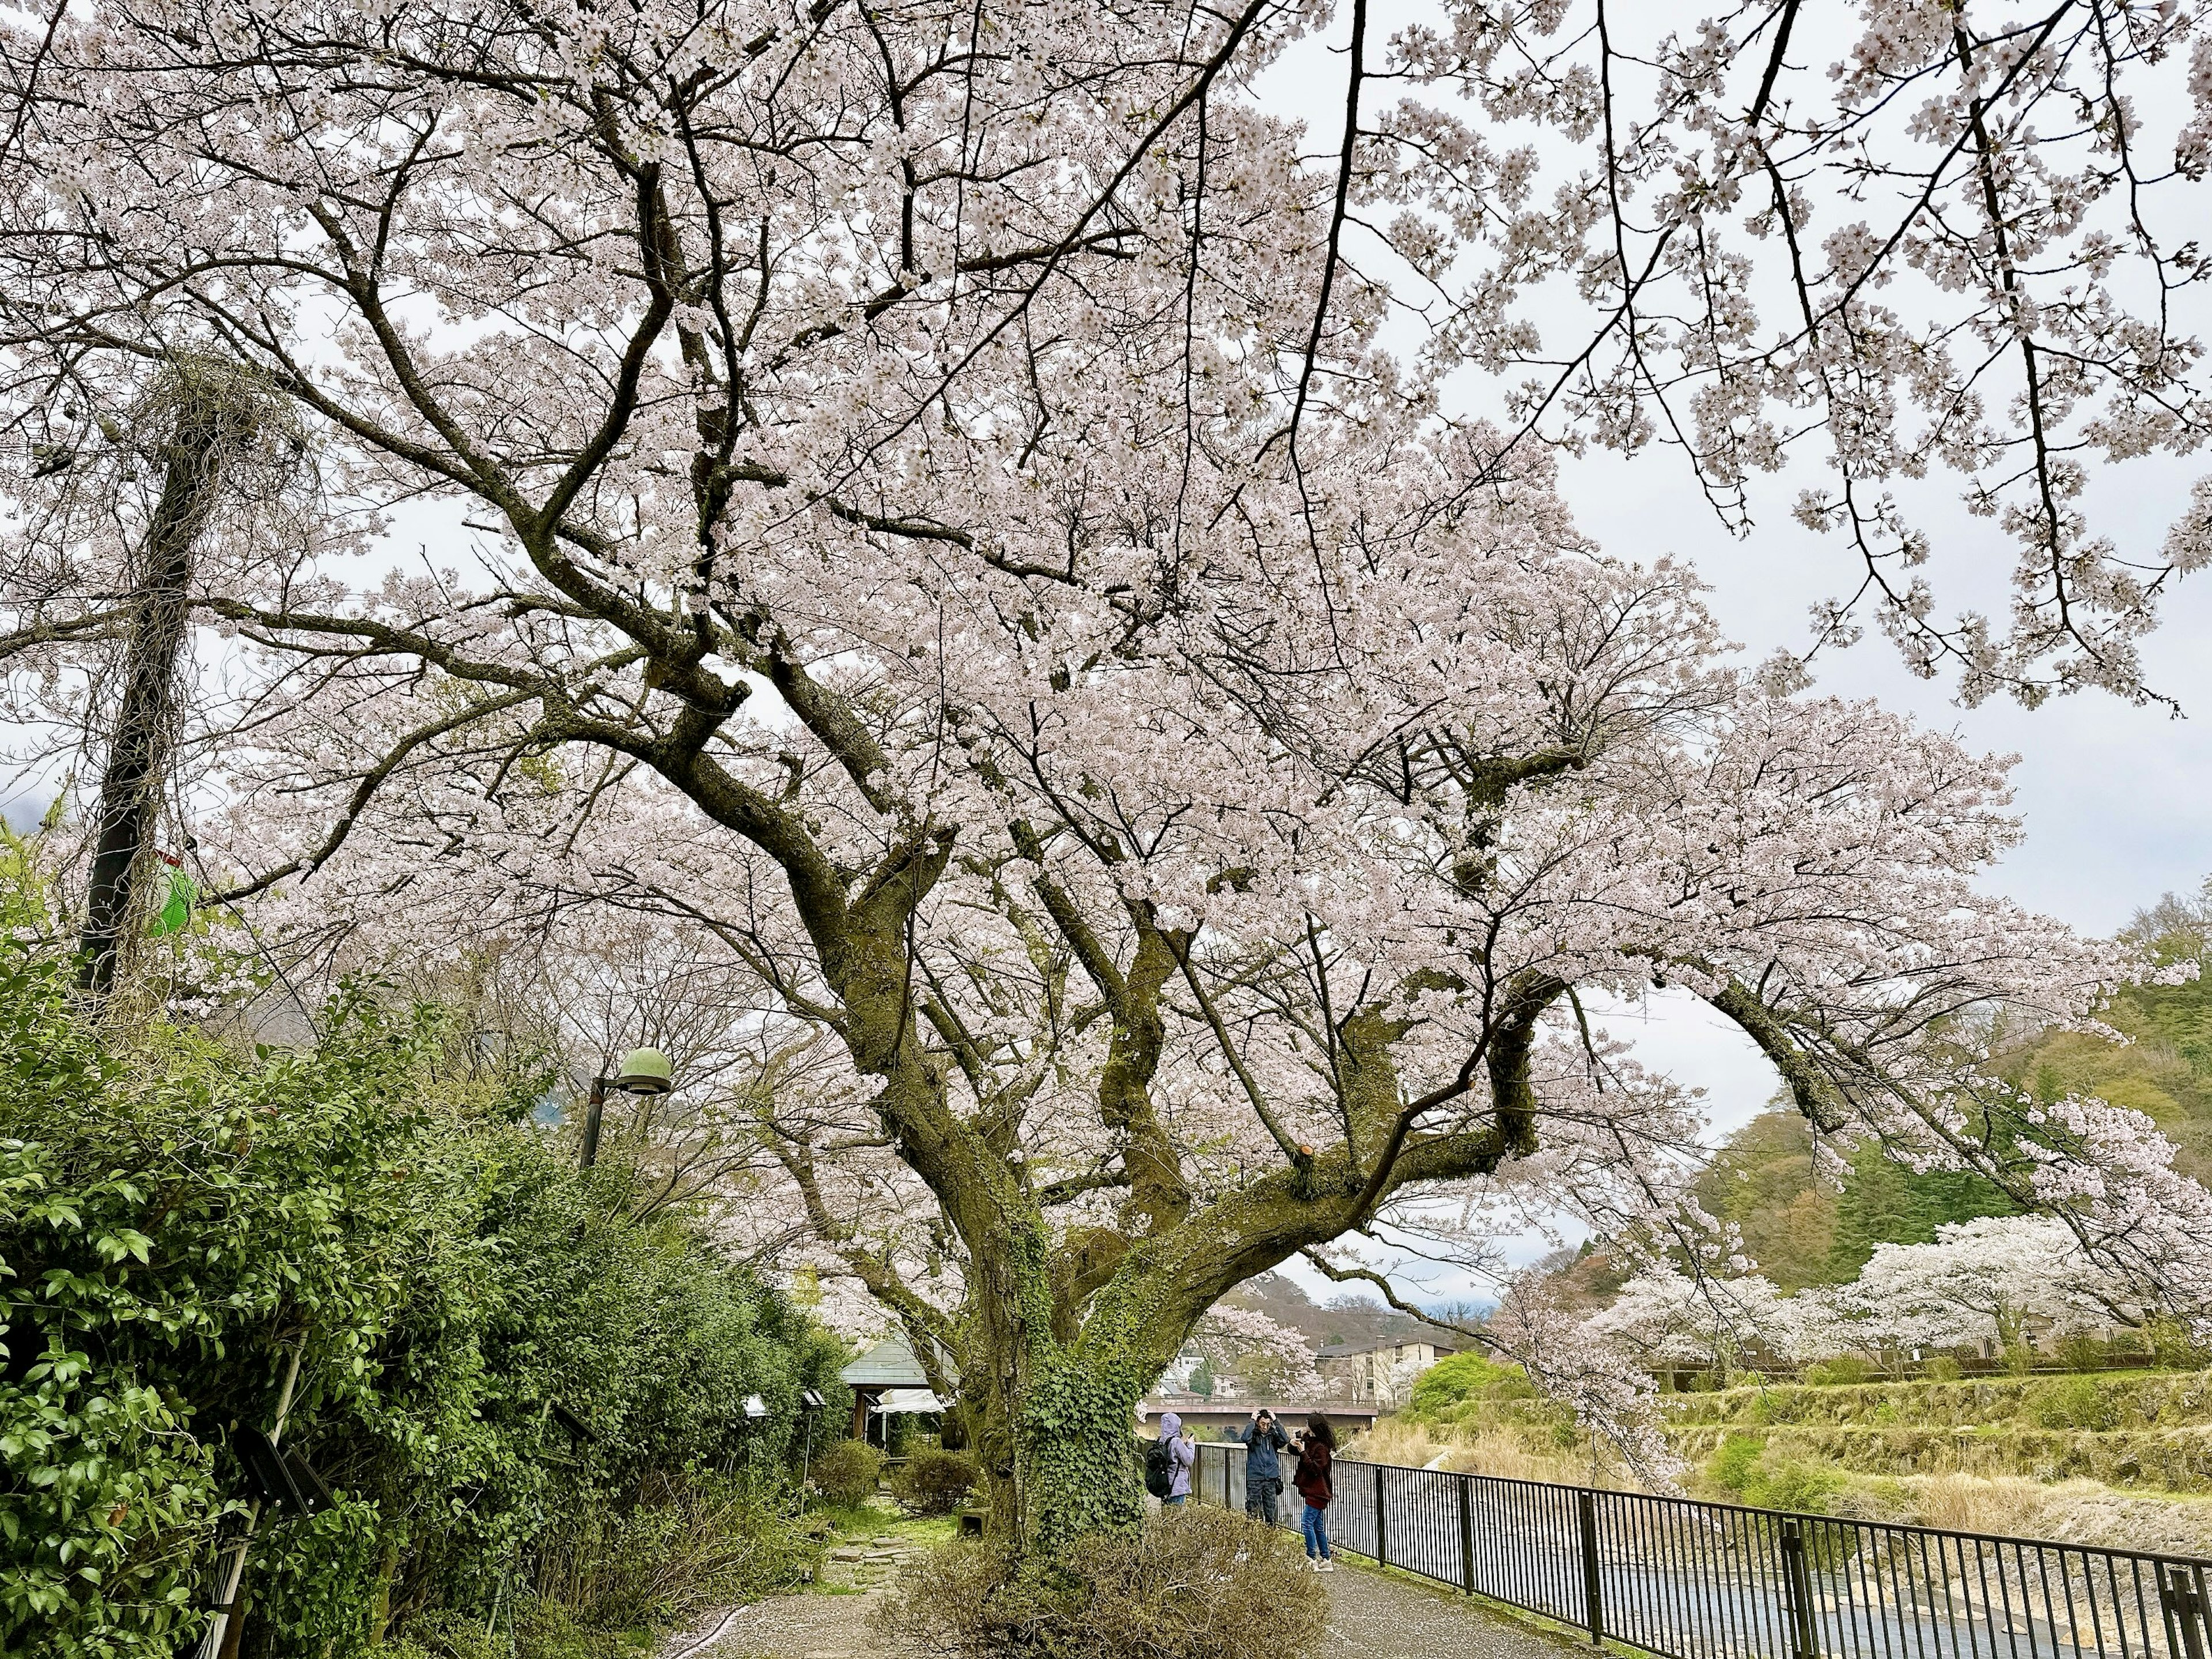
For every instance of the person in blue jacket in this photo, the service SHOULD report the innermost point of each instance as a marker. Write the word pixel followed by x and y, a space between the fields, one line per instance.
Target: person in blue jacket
pixel 1264 1440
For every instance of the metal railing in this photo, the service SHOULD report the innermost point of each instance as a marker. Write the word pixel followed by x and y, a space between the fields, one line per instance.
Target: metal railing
pixel 1692 1580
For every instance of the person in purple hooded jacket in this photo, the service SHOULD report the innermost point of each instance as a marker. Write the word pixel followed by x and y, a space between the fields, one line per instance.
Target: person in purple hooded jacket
pixel 1183 1457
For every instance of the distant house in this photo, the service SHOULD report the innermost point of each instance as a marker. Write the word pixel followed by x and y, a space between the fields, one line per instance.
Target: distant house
pixel 1380 1373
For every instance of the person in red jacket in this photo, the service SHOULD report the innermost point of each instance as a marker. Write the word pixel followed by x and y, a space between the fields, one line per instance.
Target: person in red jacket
pixel 1316 1451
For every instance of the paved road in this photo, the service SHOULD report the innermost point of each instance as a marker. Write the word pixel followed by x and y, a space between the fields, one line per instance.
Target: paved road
pixel 1372 1616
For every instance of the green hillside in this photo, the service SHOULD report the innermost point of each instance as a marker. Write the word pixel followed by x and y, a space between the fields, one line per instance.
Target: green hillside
pixel 2142 1429
pixel 1800 1231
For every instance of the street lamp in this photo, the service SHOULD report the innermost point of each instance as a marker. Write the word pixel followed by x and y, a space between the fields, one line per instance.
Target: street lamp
pixel 643 1072
pixel 810 1402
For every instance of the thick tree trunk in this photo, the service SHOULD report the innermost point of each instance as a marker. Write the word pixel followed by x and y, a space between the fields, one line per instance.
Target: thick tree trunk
pixel 1055 1408
pixel 1074 1446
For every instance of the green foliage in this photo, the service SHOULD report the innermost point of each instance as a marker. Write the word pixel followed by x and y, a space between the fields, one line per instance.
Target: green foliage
pixel 1131 1594
pixel 1845 1369
pixel 1944 1369
pixel 1801 1232
pixel 847 1472
pixel 179 1223
pixel 1443 1391
pixel 932 1482
pixel 1743 1467
pixel 2075 1402
pixel 1731 1464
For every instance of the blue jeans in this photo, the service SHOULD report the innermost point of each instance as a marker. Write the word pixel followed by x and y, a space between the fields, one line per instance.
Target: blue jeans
pixel 1313 1523
pixel 1169 1503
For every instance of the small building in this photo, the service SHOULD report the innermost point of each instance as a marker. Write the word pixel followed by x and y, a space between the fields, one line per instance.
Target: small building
pixel 1380 1374
pixel 885 1381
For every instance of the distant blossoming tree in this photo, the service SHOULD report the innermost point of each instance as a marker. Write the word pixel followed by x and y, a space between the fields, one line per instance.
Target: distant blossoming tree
pixel 1996 1280
pixel 923 508
pixel 1666 1317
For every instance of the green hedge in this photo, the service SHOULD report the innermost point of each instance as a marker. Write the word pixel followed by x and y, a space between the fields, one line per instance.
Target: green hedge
pixel 177 1221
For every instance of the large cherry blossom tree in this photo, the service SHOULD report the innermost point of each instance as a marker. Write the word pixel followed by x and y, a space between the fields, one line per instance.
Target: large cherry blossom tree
pixel 918 506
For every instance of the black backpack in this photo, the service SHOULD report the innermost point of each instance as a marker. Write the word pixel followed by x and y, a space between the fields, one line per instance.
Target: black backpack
pixel 1159 1469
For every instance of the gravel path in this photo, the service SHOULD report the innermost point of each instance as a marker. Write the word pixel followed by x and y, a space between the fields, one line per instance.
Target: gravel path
pixel 1373 1616
pixel 804 1626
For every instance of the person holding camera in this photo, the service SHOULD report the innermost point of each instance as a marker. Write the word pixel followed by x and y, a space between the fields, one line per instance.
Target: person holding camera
pixel 1264 1440
pixel 1316 1450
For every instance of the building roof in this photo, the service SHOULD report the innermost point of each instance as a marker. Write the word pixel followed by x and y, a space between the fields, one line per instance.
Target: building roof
pixel 889 1365
pixel 1348 1350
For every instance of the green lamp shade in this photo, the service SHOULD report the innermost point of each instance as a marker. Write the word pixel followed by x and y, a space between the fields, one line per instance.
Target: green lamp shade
pixel 645 1071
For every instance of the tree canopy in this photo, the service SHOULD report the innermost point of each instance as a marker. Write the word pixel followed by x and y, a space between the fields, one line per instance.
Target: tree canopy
pixel 935 525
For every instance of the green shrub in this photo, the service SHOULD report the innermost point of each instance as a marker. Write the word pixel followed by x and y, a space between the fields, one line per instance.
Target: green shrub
pixel 1195 1583
pixel 1731 1463
pixel 1844 1371
pixel 1744 1466
pixel 932 1482
pixel 847 1472
pixel 2081 1352
pixel 709 1543
pixel 1787 1484
pixel 2173 1345
pixel 178 1223
pixel 1944 1369
pixel 1444 1389
pixel 2076 1403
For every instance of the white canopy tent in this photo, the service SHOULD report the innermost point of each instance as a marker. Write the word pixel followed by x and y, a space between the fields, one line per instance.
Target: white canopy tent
pixel 896 1400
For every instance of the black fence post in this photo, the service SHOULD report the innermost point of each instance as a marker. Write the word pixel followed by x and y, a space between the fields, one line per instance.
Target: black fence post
pixel 1466 1534
pixel 2186 1614
pixel 1797 1592
pixel 1593 1588
pixel 1381 1540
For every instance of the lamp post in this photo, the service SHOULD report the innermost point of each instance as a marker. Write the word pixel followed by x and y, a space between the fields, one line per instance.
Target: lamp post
pixel 643 1072
pixel 810 1402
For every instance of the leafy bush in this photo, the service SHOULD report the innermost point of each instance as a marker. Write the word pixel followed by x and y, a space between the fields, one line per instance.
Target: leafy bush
pixel 1731 1464
pixel 1450 1384
pixel 1743 1467
pixel 2083 1352
pixel 709 1544
pixel 2075 1402
pixel 1788 1484
pixel 847 1472
pixel 1844 1371
pixel 1944 1369
pixel 1193 1582
pixel 179 1223
pixel 933 1481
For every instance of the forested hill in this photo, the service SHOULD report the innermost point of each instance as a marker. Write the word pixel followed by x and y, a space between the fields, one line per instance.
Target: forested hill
pixel 1800 1231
